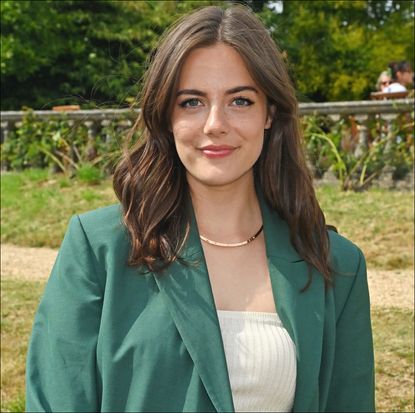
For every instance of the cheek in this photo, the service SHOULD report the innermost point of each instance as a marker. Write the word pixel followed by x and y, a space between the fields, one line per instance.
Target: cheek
pixel 183 132
pixel 186 128
pixel 252 131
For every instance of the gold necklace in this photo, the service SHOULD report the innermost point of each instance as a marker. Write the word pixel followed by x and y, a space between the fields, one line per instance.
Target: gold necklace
pixel 237 244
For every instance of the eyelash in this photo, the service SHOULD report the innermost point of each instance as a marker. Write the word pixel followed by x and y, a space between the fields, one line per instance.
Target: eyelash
pixel 185 103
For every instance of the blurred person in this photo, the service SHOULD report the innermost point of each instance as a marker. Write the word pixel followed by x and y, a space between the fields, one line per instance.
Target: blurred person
pixel 384 80
pixel 214 284
pixel 402 76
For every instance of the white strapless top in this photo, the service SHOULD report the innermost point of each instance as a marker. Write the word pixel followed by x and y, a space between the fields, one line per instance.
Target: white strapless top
pixel 261 360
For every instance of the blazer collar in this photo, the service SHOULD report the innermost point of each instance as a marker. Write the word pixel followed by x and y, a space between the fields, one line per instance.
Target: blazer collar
pixel 187 292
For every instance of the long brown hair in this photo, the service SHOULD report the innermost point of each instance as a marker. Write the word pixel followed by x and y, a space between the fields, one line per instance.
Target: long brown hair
pixel 150 179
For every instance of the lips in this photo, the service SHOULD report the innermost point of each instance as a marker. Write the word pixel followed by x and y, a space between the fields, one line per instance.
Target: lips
pixel 217 151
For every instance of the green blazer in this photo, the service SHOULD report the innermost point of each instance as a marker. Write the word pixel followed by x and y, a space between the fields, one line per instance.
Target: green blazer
pixel 106 338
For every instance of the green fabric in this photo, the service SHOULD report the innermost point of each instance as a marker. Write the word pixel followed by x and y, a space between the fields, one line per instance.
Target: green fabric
pixel 109 338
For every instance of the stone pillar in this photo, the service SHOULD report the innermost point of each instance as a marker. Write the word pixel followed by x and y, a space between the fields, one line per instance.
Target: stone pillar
pixel 91 151
pixel 329 178
pixel 4 131
pixel 385 179
pixel 104 125
pixel 362 128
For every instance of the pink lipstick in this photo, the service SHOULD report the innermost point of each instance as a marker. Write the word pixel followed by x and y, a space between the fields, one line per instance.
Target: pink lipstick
pixel 217 151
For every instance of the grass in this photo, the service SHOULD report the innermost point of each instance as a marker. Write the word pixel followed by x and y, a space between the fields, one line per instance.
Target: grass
pixel 393 338
pixel 393 333
pixel 36 208
pixel 380 222
pixel 19 300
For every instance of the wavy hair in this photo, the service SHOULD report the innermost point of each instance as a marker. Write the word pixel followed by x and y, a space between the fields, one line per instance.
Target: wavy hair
pixel 150 180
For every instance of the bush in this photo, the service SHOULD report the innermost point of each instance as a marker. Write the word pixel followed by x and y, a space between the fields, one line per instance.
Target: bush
pixel 89 174
pixel 337 146
pixel 63 146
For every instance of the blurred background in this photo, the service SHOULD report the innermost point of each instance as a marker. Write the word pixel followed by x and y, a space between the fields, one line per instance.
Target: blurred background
pixel 70 74
pixel 93 53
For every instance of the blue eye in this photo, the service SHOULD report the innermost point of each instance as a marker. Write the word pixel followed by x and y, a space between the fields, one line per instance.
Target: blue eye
pixel 242 102
pixel 192 103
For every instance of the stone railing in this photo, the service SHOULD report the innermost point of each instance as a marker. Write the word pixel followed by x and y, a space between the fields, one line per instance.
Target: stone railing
pixel 107 123
pixel 94 120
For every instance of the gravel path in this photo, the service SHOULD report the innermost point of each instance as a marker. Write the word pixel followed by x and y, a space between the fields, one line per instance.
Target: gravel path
pixel 387 288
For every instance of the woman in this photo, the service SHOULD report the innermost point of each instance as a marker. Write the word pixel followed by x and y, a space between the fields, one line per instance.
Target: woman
pixel 235 296
pixel 401 76
pixel 384 80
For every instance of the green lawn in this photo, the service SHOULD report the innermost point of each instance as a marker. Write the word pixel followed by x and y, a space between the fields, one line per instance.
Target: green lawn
pixel 19 300
pixel 36 208
pixel 381 222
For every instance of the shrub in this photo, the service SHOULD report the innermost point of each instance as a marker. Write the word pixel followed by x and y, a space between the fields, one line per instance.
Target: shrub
pixel 89 174
pixel 62 145
pixel 337 146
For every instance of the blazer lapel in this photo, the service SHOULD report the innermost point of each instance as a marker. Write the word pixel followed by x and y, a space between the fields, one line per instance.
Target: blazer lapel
pixel 302 314
pixel 188 295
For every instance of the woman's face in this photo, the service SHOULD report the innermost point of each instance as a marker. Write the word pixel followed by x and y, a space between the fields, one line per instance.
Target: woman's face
pixel 405 77
pixel 384 82
pixel 219 117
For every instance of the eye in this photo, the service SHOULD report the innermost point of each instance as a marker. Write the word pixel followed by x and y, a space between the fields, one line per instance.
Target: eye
pixel 190 103
pixel 241 101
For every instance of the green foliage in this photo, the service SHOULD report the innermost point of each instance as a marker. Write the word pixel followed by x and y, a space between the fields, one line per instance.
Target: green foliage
pixel 89 174
pixel 94 53
pixel 63 146
pixel 337 146
pixel 91 53
pixel 336 49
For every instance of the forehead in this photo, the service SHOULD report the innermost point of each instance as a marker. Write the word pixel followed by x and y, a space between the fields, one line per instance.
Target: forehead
pixel 214 66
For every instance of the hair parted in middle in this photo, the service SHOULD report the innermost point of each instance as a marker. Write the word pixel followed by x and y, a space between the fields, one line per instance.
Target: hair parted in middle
pixel 150 181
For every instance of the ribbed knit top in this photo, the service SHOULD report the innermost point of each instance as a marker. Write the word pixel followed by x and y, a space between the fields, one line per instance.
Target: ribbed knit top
pixel 261 360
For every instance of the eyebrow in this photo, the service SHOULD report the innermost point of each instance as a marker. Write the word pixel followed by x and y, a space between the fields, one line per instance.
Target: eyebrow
pixel 196 92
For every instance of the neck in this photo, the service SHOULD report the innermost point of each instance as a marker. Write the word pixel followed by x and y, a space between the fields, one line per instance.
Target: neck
pixel 226 213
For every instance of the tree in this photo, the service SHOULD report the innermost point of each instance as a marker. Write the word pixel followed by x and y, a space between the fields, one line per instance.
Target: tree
pixel 337 49
pixel 91 53
pixel 94 53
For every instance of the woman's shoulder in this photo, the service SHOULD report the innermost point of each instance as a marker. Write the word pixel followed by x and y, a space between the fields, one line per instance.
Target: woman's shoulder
pixel 350 285
pixel 102 227
pixel 346 257
pixel 395 87
pixel 108 215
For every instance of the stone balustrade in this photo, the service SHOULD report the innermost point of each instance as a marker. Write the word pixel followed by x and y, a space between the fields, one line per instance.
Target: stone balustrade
pixel 118 121
pixel 95 119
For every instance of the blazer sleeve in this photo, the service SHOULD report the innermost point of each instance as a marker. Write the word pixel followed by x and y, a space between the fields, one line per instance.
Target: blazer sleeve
pixel 352 386
pixel 61 360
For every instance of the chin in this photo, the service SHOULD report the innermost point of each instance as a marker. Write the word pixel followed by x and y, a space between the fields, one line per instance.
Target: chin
pixel 219 179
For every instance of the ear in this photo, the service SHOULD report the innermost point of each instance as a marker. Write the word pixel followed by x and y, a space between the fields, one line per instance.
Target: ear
pixel 270 116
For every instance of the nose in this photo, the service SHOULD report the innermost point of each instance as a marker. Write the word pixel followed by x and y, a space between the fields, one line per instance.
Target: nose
pixel 216 124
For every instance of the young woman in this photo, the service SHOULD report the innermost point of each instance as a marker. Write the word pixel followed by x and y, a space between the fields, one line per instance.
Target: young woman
pixel 402 75
pixel 215 285
pixel 384 80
